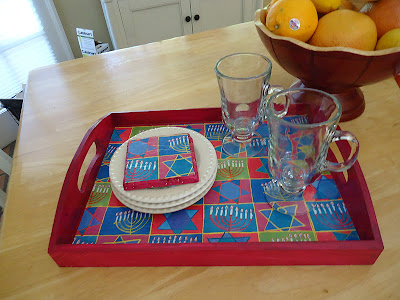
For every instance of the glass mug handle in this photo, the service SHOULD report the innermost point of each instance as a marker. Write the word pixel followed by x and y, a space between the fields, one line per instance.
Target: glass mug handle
pixel 268 91
pixel 349 162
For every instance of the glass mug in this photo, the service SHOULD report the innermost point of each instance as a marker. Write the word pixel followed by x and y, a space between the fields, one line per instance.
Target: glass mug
pixel 302 123
pixel 243 80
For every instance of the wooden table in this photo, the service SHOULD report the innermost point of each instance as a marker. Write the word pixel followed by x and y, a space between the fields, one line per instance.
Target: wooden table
pixel 64 100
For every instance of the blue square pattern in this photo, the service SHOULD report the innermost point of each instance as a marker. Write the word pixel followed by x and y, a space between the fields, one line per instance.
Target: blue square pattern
pixel 123 220
pixel 229 218
pixel 171 145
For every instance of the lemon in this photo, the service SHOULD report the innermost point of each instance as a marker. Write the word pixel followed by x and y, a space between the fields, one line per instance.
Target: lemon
pixel 326 6
pixel 390 39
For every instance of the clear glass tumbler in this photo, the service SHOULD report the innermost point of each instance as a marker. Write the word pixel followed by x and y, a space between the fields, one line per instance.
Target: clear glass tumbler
pixel 302 124
pixel 243 80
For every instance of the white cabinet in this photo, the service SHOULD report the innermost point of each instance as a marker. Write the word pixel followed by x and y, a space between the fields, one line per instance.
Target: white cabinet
pixel 135 22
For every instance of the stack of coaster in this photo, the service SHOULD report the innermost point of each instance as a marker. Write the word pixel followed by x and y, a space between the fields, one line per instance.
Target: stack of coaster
pixel 160 161
pixel 163 170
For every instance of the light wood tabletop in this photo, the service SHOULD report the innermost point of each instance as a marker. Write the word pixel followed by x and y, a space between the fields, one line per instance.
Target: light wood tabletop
pixel 62 101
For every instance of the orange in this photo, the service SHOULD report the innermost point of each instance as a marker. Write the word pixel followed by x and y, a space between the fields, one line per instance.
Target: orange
pixel 385 13
pixel 268 8
pixel 347 4
pixel 325 6
pixel 293 18
pixel 345 28
pixel 390 39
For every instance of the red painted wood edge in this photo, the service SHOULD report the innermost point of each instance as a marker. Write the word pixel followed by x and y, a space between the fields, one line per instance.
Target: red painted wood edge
pixel 245 254
pixel 72 202
pixel 397 78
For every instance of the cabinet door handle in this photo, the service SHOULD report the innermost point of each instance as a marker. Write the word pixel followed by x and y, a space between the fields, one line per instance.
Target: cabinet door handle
pixel 188 19
pixel 197 17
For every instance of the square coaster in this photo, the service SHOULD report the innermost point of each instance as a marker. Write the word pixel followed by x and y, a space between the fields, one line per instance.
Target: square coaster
pixel 160 161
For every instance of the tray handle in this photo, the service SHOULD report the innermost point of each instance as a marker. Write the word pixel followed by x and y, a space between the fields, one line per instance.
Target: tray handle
pixel 358 198
pixel 98 134
pixel 72 198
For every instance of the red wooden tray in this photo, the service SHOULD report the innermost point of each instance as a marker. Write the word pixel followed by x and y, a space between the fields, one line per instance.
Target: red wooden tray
pixel 72 203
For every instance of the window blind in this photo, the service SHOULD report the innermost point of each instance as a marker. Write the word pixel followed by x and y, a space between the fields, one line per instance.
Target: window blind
pixel 24 45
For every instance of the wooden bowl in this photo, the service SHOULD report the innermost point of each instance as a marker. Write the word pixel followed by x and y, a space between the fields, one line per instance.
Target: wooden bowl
pixel 337 70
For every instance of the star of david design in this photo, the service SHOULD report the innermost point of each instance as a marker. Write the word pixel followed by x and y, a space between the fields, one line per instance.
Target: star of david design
pixel 103 175
pixel 116 135
pixel 326 189
pixel 230 191
pixel 281 222
pixel 343 236
pixel 264 164
pixel 120 240
pixel 263 130
pixel 228 238
pixel 179 221
pixel 179 166
pixel 274 194
pixel 194 129
pixel 139 148
pixel 308 150
pixel 88 220
pixel 223 154
pixel 234 148
pixel 302 145
pixel 98 224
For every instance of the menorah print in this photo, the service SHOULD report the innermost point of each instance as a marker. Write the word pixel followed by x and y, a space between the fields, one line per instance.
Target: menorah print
pixel 216 132
pixel 99 192
pixel 299 120
pixel 273 190
pixel 258 143
pixel 79 242
pixel 139 170
pixel 109 153
pixel 331 215
pixel 131 221
pixel 174 240
pixel 180 144
pixel 294 238
pixel 228 218
pixel 230 168
pixel 234 210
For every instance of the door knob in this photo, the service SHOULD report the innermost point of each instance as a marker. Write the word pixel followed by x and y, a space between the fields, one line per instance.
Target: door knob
pixel 197 17
pixel 188 18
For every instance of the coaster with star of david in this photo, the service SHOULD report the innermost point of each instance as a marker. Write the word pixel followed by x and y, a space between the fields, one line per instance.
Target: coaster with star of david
pixel 160 161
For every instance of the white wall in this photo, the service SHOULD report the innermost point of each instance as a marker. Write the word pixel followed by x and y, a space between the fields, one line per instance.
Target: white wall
pixel 82 14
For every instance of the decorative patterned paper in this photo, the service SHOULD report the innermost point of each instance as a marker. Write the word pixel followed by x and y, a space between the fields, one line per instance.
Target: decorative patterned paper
pixel 160 161
pixel 234 210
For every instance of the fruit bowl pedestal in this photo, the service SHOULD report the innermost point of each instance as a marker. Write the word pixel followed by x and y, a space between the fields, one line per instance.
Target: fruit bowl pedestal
pixel 339 71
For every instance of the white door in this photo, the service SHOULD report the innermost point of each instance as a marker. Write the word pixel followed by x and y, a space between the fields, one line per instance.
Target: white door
pixel 212 14
pixel 147 21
